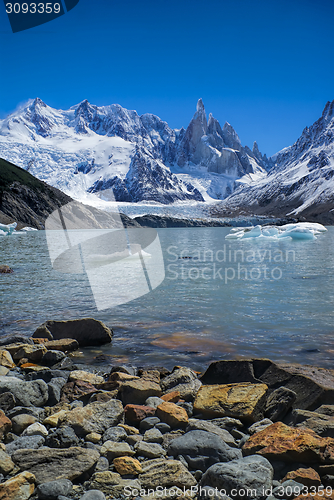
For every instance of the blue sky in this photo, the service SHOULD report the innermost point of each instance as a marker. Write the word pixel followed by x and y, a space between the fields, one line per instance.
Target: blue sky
pixel 264 66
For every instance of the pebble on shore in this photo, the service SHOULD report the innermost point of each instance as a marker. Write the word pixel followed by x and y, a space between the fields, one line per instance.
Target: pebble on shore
pixel 254 429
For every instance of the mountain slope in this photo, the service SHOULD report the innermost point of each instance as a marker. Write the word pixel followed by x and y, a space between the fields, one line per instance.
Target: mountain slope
pixel 116 154
pixel 28 201
pixel 301 184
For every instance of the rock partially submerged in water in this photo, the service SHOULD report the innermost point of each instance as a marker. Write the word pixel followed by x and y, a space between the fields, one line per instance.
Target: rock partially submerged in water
pixel 6 270
pixel 87 331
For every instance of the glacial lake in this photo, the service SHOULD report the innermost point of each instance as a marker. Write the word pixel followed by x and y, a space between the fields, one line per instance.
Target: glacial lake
pixel 222 299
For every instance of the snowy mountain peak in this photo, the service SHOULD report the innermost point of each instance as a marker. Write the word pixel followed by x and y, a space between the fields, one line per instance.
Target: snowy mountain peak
pixel 328 111
pixel 109 149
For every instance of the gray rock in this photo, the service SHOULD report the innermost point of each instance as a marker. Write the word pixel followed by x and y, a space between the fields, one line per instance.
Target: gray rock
pixel 205 425
pixel 163 427
pixel 165 473
pixel 114 434
pixel 54 388
pixel 112 449
pixel 21 422
pixel 31 442
pixel 34 393
pixel 94 417
pixel 322 424
pixel 279 403
pixel 288 489
pixel 86 331
pixel 51 357
pixel 183 380
pixel 64 437
pixel 102 464
pixel 259 426
pixel 153 436
pixel 38 413
pixel 149 450
pixel 93 495
pixel 153 401
pixel 148 422
pixel 133 439
pixel 202 449
pixel 252 473
pixel 228 423
pixel 326 410
pixel 52 489
pixel 47 375
pixel 51 464
pixel 7 401
pixel 189 407
pixel 129 369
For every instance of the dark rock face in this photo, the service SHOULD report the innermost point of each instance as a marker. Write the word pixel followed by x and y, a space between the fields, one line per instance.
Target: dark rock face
pixel 202 449
pixel 87 331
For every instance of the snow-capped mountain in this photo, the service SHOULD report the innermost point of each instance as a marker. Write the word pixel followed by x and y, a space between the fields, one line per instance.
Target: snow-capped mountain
pixel 302 180
pixel 116 154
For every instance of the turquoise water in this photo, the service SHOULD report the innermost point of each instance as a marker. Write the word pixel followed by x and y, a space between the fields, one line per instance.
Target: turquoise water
pixel 205 309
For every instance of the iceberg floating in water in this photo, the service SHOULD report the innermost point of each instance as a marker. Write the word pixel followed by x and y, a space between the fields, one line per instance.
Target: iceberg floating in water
pixel 298 231
pixel 7 229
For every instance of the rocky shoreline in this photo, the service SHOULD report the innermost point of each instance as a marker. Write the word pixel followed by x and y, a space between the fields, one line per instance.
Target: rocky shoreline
pixel 242 429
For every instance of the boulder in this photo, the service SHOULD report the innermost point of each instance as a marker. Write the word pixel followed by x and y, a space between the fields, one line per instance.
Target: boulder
pixel 7 401
pixel 113 449
pixel 153 436
pixel 6 463
pixel 64 437
pixel 6 269
pixel 6 359
pixel 138 390
pixel 33 353
pixel 72 391
pixel 94 417
pixel 25 442
pixel 281 442
pixel 26 393
pixel 309 477
pixel 165 473
pixel 51 357
pixel 135 413
pixel 52 464
pixel 115 434
pixel 53 489
pixel 195 424
pixel 313 386
pixel 279 403
pixel 173 415
pixel 244 401
pixel 111 483
pixel 87 331
pixel 21 422
pixel 127 465
pixel 181 380
pixel 236 477
pixel 85 377
pixel 62 345
pixel 19 487
pixel 148 423
pixel 5 425
pixel 201 449
pixel 149 450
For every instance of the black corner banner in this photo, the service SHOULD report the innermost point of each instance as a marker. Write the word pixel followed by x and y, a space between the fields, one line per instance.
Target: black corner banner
pixel 24 15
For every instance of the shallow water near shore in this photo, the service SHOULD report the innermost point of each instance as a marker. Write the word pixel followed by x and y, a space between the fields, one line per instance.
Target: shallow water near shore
pixel 220 299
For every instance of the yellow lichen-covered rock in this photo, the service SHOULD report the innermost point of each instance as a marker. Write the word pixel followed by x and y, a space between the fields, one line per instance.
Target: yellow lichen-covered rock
pixel 54 419
pixel 85 377
pixel 19 487
pixel 6 359
pixel 244 401
pixel 281 442
pixel 127 465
